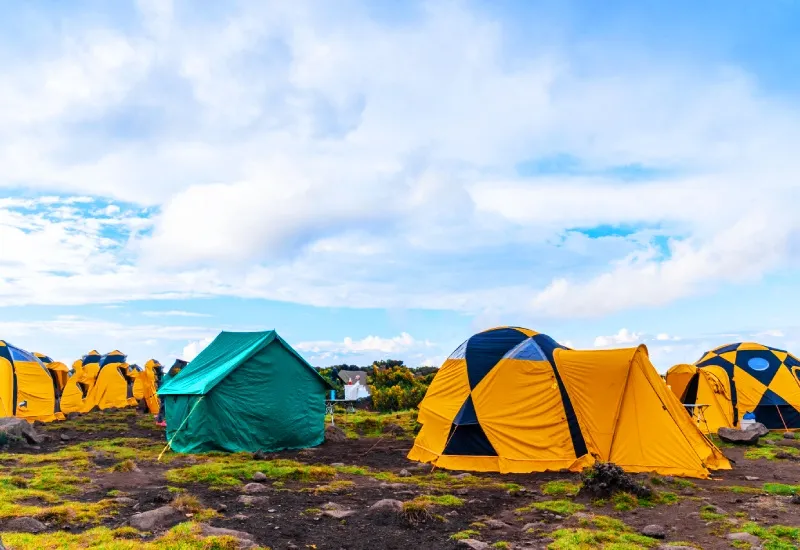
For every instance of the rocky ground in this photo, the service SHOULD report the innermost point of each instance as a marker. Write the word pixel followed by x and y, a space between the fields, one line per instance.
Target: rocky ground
pixel 96 483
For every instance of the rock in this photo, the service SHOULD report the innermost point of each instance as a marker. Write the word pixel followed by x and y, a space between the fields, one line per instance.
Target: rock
pixel 244 540
pixel 582 515
pixel 223 507
pixel 160 518
pixel 17 429
pixel 240 517
pixel 739 437
pixel 752 478
pixel 795 499
pixel 291 546
pixel 253 488
pixel 533 526
pixel 404 473
pixel 249 500
pixel 124 501
pixel 422 466
pixel 337 465
pixel 451 514
pixel 474 544
pixel 335 434
pixel 758 427
pixel 25 525
pixel 393 429
pixel 745 537
pixel 260 455
pixel 789 435
pixel 496 524
pixel 465 475
pixel 65 437
pixel 338 514
pixel 655 531
pixel 717 510
pixel 259 476
pixel 783 455
pixel 387 505
pixel 394 486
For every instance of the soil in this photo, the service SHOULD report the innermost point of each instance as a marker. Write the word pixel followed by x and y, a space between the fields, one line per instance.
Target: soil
pixel 284 521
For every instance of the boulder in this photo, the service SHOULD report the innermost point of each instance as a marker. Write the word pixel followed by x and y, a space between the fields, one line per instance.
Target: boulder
pixel 160 518
pixel 387 505
pixel 745 537
pixel 655 531
pixel 758 427
pixel 25 525
pixel 17 429
pixel 250 500
pixel 739 437
pixel 335 434
pixel 260 476
pixel 474 544
pixel 496 524
pixel 244 540
pixel 253 488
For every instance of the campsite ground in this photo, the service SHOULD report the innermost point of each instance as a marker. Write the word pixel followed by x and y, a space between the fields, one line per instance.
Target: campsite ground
pixel 97 470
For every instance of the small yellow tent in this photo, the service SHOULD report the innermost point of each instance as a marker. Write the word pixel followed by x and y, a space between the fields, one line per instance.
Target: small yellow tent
pixel 144 387
pixel 513 400
pixel 735 379
pixel 26 386
pixel 75 390
pixel 110 389
pixel 58 370
pixel 91 367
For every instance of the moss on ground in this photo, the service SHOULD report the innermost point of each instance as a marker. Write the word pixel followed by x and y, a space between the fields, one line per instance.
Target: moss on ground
pixel 560 488
pixel 560 507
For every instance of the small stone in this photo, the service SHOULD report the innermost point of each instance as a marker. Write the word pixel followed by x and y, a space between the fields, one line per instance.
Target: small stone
pixel 451 514
pixel 496 524
pixel 252 488
pixel 404 473
pixel 222 508
pixel 245 540
pixel 394 486
pixel 465 475
pixel 474 544
pixel 582 515
pixel 387 505
pixel 333 506
pixel 655 531
pixel 124 501
pixel 291 546
pixel 65 437
pixel 751 478
pixel 337 465
pixel 532 526
pixel 272 510
pixel 718 510
pixel 160 518
pixel 249 500
pixel 338 514
pixel 788 435
pixel 795 499
pixel 240 517
pixel 260 455
pixel 745 537
pixel 259 476
pixel 25 525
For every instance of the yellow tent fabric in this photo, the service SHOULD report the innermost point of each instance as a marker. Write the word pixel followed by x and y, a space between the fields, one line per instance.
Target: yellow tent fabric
pixel 75 390
pixel 709 387
pixel 58 370
pixel 26 386
pixel 110 389
pixel 514 400
pixel 144 386
pixel 91 367
pixel 735 379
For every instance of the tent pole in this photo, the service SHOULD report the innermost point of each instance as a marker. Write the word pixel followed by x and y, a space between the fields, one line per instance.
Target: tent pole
pixel 446 443
pixel 786 428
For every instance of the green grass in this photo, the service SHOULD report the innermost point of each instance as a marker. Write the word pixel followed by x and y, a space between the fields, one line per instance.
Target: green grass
pixel 578 539
pixel 560 507
pixel 775 537
pixel 781 489
pixel 624 502
pixel 448 501
pixel 369 424
pixel 561 489
pixel 501 545
pixel 463 535
pixel 233 470
pixel 741 490
pixel 708 513
pixel 768 452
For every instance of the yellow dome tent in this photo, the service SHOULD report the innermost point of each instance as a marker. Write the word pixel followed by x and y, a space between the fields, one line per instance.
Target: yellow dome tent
pixel 26 386
pixel 91 367
pixel 111 389
pixel 144 387
pixel 58 370
pixel 732 380
pixel 75 390
pixel 513 400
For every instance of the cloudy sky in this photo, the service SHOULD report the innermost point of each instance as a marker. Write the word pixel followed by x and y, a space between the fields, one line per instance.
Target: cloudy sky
pixel 382 179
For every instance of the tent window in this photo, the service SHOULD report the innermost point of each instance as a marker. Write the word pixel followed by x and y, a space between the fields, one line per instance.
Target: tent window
pixel 527 349
pixel 758 363
pixel 461 351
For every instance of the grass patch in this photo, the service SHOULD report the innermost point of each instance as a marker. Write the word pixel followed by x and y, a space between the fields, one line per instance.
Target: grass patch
pixel 560 489
pixel 775 537
pixel 447 501
pixel 624 502
pixel 571 539
pixel 709 513
pixel 230 470
pixel 126 465
pixel 502 545
pixel 512 488
pixel 560 507
pixel 332 487
pixel 463 535
pixel 741 490
pixel 769 452
pixel 781 489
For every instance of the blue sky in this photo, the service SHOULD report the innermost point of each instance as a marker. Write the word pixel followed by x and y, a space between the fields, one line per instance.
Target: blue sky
pixel 378 180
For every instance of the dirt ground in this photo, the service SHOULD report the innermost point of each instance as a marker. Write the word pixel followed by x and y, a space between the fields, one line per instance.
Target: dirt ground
pixel 503 511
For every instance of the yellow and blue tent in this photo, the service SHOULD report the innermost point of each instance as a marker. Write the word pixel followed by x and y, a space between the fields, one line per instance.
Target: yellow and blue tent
pixel 144 385
pixel 75 390
pixel 111 387
pixel 735 379
pixel 27 389
pixel 513 400
pixel 58 370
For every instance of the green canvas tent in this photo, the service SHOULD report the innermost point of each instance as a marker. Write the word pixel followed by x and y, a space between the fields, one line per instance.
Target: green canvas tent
pixel 247 391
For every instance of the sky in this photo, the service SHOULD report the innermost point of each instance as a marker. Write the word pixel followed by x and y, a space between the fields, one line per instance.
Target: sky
pixel 381 180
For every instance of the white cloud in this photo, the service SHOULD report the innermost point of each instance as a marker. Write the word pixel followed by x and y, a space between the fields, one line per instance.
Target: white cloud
pixel 396 344
pixel 193 349
pixel 174 313
pixel 623 337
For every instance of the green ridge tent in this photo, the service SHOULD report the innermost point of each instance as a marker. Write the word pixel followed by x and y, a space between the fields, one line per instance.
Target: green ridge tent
pixel 247 391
